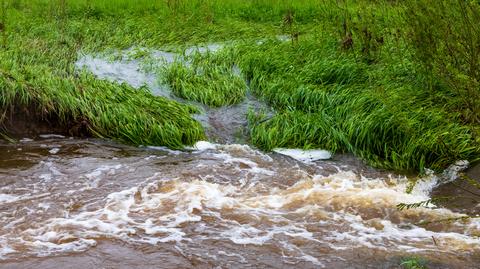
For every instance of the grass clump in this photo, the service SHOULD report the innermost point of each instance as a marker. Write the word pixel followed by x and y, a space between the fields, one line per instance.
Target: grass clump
pixel 413 263
pixel 352 79
pixel 383 112
pixel 206 82
pixel 110 110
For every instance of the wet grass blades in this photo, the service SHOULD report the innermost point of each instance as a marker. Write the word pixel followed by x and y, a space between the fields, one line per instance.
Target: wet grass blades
pixel 205 80
pixel 376 104
pixel 333 100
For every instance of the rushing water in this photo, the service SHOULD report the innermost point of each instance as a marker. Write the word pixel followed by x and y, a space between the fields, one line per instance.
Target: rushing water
pixel 72 203
pixel 90 203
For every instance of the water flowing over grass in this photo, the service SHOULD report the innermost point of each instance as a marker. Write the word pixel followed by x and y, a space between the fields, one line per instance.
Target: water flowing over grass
pixel 346 77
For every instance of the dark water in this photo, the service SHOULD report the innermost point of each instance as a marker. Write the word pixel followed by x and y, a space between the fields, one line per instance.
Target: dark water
pixel 72 203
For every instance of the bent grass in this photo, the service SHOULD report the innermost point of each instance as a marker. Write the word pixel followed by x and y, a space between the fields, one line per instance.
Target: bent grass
pixel 382 110
pixel 203 80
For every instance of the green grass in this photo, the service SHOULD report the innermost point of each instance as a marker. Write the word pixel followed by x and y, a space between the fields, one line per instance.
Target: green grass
pixel 205 81
pixel 371 99
pixel 111 110
pixel 413 263
pixel 382 112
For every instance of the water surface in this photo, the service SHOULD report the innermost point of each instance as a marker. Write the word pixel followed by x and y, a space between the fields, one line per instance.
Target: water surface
pixel 92 203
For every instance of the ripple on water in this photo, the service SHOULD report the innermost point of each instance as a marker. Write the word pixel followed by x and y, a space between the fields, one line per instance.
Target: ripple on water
pixel 221 205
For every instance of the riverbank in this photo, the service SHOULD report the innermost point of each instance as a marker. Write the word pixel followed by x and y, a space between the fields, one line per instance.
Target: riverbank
pixel 330 88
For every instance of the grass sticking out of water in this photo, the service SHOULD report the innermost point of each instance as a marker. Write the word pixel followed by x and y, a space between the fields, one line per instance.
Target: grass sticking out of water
pixel 347 81
pixel 110 110
pixel 413 263
pixel 205 81
pixel 328 99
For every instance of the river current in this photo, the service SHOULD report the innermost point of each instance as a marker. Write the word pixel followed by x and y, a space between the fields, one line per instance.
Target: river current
pixel 93 203
pixel 88 203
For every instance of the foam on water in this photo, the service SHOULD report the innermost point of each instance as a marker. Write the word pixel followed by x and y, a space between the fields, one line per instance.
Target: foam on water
pixel 54 151
pixel 6 198
pixel 305 155
pixel 49 136
pixel 159 211
pixel 299 219
pixel 203 145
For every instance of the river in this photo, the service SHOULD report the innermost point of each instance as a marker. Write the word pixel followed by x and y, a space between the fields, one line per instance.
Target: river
pixel 86 203
pixel 89 203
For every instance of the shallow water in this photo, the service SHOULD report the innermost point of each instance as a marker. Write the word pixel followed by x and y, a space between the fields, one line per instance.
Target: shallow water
pixel 223 125
pixel 89 203
pixel 92 203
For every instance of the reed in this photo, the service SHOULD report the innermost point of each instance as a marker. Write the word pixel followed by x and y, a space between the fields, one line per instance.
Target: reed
pixel 3 23
pixel 372 98
pixel 206 81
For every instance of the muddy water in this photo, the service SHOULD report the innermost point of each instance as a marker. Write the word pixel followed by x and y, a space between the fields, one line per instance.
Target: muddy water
pixel 94 204
pixel 70 203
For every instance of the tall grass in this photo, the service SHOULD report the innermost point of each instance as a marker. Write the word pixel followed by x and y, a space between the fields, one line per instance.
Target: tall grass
pixel 372 97
pixel 446 37
pixel 326 98
pixel 205 81
pixel 3 23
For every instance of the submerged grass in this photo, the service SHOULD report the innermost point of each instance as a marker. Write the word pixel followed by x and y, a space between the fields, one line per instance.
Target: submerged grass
pixel 348 81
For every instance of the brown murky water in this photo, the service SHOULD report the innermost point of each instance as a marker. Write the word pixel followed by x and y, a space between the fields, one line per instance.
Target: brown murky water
pixel 70 203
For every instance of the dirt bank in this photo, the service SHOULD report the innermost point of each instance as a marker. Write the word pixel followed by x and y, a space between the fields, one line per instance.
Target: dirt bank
pixel 30 121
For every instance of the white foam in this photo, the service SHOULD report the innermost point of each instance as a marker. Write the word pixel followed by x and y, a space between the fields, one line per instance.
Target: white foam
pixel 242 259
pixel 5 250
pixel 49 136
pixel 306 156
pixel 411 239
pixel 312 259
pixel 203 145
pixel 7 198
pixel 95 176
pixel 244 235
pixel 247 163
pixel 335 211
pixel 452 172
pixel 54 151
pixel 45 177
pixel 165 149
pixel 44 206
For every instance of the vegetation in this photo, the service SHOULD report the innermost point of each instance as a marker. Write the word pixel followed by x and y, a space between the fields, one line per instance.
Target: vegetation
pixel 205 81
pixel 331 99
pixel 413 263
pixel 386 80
pixel 446 38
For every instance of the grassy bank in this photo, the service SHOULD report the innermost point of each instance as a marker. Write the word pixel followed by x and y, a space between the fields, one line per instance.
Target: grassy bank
pixel 348 78
pixel 382 111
